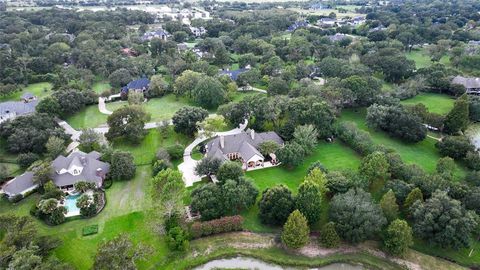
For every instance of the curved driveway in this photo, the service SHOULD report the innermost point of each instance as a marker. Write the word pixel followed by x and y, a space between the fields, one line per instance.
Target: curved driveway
pixel 187 167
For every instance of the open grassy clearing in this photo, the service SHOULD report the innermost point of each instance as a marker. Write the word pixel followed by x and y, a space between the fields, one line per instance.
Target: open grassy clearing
pixel 422 153
pixel 89 117
pixel 422 59
pixel 145 151
pixel 40 90
pixel 436 103
pixel 101 86
pixel 334 156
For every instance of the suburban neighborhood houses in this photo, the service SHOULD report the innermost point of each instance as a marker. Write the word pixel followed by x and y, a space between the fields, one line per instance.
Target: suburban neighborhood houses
pixel 145 134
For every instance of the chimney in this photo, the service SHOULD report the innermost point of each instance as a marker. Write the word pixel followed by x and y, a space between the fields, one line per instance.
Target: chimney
pixel 222 142
pixel 252 134
pixel 99 172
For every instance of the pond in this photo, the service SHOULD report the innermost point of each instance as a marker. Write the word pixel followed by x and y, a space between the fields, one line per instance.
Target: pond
pixel 250 263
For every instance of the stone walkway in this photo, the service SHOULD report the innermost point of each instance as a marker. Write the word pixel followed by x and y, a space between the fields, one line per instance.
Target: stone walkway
pixel 187 167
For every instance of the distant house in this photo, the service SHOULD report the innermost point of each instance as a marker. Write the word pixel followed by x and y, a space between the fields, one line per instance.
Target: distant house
pixel 159 33
pixel 12 109
pixel 472 85
pixel 317 6
pixel 233 74
pixel 297 25
pixel 359 20
pixel 327 22
pixel 337 37
pixel 198 31
pixel 139 85
pixel 243 147
pixel 66 171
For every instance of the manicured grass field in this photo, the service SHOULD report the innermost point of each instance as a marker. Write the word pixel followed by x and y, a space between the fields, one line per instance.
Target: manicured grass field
pixel 334 156
pixel 146 150
pixel 422 59
pixel 422 153
pixel 90 117
pixel 160 108
pixel 40 90
pixel 436 103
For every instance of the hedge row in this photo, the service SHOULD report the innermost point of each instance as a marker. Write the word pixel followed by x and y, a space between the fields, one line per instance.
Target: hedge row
pixel 357 139
pixel 221 225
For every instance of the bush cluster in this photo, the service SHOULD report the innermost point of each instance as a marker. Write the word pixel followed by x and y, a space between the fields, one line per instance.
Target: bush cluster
pixel 221 225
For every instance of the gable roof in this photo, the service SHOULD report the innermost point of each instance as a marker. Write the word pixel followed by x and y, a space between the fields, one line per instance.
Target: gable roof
pixel 233 74
pixel 241 143
pixel 468 83
pixel 139 84
pixel 89 162
pixel 20 184
pixel 18 107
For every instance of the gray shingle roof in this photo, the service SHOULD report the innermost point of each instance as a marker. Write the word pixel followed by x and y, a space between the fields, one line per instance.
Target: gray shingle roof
pixel 468 83
pixel 19 184
pixel 18 107
pixel 89 162
pixel 241 143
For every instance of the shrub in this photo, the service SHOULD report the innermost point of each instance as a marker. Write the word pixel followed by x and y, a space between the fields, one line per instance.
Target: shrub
pixel 221 225
pixel 177 239
pixel 358 139
pixel 296 232
pixel 328 236
pixel 175 151
pixel 90 230
pixel 161 165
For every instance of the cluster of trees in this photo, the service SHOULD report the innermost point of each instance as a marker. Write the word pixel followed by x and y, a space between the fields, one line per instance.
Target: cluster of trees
pixel 30 133
pixel 66 102
pixel 206 91
pixel 23 247
pixel 396 121
pixel 232 194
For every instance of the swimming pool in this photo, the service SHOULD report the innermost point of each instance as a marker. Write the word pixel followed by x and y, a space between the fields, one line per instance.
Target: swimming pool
pixel 71 205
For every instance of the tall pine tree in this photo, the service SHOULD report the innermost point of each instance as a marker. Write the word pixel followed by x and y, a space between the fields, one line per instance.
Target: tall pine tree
pixel 295 231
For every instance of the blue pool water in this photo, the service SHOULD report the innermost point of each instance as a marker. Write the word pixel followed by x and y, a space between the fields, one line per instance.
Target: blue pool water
pixel 71 205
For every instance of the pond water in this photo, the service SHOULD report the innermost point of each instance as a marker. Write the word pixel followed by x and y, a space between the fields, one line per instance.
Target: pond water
pixel 250 263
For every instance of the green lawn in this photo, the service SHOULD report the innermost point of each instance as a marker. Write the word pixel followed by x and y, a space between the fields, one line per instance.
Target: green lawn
pixel 462 255
pixel 334 156
pixel 90 117
pixel 436 103
pixel 101 86
pixel 160 108
pixel 422 153
pixel 40 90
pixel 422 59
pixel 146 150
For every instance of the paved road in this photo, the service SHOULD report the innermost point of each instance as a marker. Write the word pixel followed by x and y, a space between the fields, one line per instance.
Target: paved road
pixel 187 167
